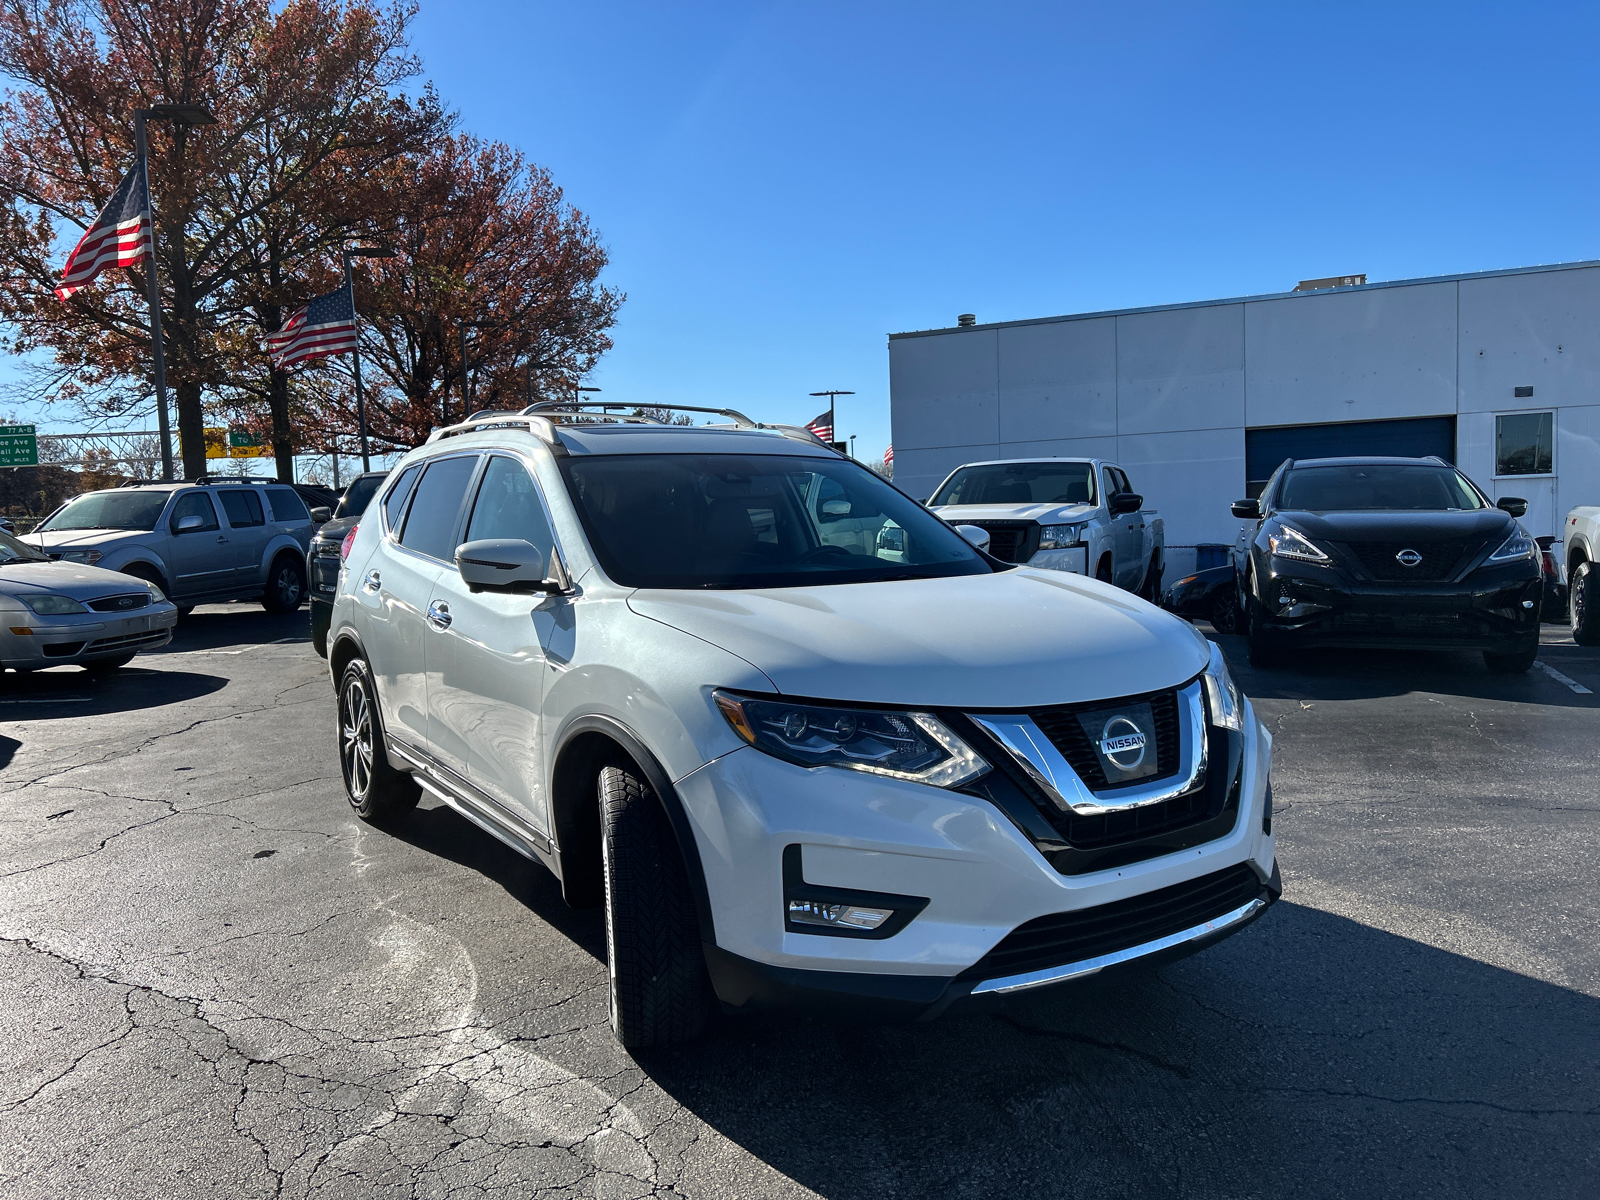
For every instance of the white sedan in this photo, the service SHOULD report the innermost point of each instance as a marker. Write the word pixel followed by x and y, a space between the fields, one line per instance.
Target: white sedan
pixel 52 613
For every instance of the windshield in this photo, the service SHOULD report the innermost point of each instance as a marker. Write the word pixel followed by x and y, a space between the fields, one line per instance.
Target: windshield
pixel 109 510
pixel 357 496
pixel 756 521
pixel 1365 487
pixel 11 550
pixel 1020 483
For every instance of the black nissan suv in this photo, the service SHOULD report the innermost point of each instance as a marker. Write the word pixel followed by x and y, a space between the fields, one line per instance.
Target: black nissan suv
pixel 1400 553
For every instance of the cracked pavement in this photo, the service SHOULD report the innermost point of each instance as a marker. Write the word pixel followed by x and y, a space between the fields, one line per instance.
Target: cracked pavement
pixel 214 981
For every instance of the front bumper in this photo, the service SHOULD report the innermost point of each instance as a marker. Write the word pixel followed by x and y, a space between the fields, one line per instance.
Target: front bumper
pixel 82 637
pixel 980 875
pixel 1495 609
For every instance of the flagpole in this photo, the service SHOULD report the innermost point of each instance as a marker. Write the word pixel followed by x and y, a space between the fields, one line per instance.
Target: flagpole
pixel 154 297
pixel 355 353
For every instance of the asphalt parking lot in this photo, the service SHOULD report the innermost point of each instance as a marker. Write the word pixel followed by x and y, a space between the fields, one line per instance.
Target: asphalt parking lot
pixel 216 982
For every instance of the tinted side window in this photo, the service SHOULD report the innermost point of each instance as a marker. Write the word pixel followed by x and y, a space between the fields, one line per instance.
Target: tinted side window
pixel 1108 481
pixel 193 504
pixel 508 506
pixel 243 508
pixel 287 505
pixel 395 502
pixel 431 523
pixel 1122 481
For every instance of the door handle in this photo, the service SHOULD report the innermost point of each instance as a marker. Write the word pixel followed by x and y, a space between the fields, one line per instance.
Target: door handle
pixel 220 538
pixel 439 615
pixel 371 581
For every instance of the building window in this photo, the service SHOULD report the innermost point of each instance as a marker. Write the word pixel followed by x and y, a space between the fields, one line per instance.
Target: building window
pixel 1523 442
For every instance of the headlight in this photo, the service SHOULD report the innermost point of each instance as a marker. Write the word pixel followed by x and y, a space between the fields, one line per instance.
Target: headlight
pixel 1059 537
pixel 87 557
pixel 53 606
pixel 902 745
pixel 1292 544
pixel 156 594
pixel 1227 706
pixel 1518 545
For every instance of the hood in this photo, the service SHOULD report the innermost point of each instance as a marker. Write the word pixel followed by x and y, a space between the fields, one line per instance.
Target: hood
pixel 1014 639
pixel 100 539
pixel 65 579
pixel 1475 526
pixel 335 529
pixel 1045 514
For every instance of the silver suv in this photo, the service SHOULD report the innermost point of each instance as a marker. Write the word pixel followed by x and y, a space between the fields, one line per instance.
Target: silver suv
pixel 198 542
pixel 807 746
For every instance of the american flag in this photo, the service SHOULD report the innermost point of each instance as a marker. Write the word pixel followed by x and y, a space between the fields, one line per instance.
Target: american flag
pixel 822 426
pixel 888 455
pixel 119 237
pixel 324 326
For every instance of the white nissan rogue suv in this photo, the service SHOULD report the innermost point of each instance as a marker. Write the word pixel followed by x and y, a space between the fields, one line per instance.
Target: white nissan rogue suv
pixel 807 745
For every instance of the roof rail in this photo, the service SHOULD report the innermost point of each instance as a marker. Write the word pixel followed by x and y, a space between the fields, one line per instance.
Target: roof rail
pixel 544 406
pixel 536 425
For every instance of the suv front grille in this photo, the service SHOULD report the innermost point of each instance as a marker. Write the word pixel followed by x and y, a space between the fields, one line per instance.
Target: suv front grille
pixel 1010 541
pixel 1378 560
pixel 1071 937
pixel 1065 731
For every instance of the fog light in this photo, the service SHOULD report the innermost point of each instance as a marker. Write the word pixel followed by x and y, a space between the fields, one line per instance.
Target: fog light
pixel 837 916
pixel 1527 604
pixel 22 631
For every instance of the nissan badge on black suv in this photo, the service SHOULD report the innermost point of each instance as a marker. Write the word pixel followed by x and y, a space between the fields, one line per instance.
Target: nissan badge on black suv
pixel 1399 553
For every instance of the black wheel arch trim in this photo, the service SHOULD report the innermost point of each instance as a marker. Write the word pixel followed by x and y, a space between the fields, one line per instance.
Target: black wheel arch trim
pixel 568 835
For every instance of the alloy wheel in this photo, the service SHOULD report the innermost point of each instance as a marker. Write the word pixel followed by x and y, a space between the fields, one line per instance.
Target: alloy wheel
pixel 289 587
pixel 355 739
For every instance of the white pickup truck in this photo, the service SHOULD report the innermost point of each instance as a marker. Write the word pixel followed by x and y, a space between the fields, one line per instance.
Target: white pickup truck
pixel 1059 514
pixel 1580 538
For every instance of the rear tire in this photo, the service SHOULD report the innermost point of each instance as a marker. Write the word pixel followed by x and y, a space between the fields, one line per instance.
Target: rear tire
pixel 1223 611
pixel 1518 662
pixel 660 992
pixel 286 585
pixel 1583 605
pixel 375 789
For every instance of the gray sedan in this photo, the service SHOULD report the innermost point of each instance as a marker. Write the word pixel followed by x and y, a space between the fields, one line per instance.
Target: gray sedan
pixel 53 613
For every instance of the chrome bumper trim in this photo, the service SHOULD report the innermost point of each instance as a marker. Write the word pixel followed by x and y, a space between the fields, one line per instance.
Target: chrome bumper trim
pixel 1089 966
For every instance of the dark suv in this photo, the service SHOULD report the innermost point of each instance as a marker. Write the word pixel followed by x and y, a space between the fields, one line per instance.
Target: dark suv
pixel 322 559
pixel 1401 553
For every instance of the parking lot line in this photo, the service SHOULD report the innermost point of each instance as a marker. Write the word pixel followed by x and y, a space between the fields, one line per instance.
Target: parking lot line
pixel 1560 678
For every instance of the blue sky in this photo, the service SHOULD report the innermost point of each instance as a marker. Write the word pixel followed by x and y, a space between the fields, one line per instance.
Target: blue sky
pixel 783 185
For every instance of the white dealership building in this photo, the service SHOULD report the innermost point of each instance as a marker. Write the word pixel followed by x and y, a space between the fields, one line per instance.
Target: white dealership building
pixel 1497 371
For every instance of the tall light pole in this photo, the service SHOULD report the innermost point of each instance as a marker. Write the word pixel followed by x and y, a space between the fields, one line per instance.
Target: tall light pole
pixel 466 379
pixel 833 429
pixel 348 253
pixel 178 114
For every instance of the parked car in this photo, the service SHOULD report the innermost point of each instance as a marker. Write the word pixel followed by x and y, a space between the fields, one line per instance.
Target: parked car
pixel 7 525
pixel 198 542
pixel 1059 514
pixel 1211 595
pixel 796 768
pixel 1581 551
pixel 1387 552
pixel 58 613
pixel 322 560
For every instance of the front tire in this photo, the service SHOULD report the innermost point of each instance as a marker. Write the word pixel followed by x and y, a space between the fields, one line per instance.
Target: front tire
pixel 286 585
pixel 659 990
pixel 1224 611
pixel 375 789
pixel 1265 652
pixel 1583 605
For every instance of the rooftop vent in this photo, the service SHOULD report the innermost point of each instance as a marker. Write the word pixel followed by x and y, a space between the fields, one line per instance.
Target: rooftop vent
pixel 1333 281
pixel 967 320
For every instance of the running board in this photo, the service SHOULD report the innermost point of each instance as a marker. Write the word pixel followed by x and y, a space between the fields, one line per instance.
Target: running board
pixel 492 819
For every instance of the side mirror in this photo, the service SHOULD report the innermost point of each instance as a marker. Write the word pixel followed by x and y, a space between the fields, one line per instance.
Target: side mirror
pixel 190 523
pixel 1514 505
pixel 836 508
pixel 978 537
pixel 1249 510
pixel 1126 502
pixel 321 514
pixel 502 565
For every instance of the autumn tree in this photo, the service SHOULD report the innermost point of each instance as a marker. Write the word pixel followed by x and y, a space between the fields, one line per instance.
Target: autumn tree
pixel 486 247
pixel 305 95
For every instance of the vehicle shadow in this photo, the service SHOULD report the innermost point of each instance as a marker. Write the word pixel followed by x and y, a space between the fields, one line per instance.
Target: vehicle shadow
pixel 437 828
pixel 220 626
pixel 1366 674
pixel 73 692
pixel 1309 1056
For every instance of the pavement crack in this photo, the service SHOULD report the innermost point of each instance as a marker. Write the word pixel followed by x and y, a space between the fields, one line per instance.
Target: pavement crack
pixel 1081 1039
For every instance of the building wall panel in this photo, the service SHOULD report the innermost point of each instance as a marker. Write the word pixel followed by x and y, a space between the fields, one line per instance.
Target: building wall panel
pixel 1180 369
pixel 1189 477
pixel 1530 330
pixel 1058 380
pixel 1351 356
pixel 943 391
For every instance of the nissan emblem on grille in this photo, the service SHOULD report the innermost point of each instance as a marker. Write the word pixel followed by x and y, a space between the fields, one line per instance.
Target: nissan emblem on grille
pixel 1408 558
pixel 1123 743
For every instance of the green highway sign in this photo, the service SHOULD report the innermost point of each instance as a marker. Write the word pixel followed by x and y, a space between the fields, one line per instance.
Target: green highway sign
pixel 19 446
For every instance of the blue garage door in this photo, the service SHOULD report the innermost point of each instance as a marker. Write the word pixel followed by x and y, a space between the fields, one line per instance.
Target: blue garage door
pixel 1265 449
